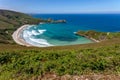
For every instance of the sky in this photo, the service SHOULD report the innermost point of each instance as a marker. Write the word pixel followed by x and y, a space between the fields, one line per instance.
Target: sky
pixel 62 6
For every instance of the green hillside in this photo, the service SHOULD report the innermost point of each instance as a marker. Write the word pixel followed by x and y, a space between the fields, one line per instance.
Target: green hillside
pixel 100 36
pixel 94 61
pixel 23 63
pixel 10 21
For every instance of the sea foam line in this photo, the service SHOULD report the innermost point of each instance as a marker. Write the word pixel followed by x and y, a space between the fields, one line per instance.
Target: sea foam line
pixel 28 36
pixel 17 36
pixel 24 39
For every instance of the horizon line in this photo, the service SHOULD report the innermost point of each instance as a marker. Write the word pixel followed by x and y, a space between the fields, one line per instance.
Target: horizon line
pixel 72 13
pixel 107 12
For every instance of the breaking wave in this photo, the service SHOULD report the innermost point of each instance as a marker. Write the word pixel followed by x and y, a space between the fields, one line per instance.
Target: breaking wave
pixel 34 32
pixel 28 36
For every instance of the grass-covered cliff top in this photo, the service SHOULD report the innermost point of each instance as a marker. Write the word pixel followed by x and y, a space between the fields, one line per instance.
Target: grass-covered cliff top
pixel 100 36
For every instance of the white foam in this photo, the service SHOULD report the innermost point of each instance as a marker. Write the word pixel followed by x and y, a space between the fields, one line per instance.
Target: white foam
pixel 28 37
pixel 41 42
pixel 37 42
pixel 74 32
pixel 27 33
pixel 30 26
pixel 41 23
pixel 41 31
pixel 34 32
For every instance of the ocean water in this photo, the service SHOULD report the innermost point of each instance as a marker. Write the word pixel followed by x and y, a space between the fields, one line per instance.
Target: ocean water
pixel 61 34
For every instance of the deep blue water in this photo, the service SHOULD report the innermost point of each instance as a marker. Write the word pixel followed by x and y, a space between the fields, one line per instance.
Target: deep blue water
pixel 99 22
pixel 63 33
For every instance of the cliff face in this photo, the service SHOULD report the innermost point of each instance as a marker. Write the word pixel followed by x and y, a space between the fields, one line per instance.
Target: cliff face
pixel 10 21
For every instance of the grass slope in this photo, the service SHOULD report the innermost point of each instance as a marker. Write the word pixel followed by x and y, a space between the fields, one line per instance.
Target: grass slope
pixel 23 63
pixel 100 36
pixel 10 21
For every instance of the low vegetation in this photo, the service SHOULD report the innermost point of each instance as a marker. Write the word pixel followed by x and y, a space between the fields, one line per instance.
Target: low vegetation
pixel 33 62
pixel 10 21
pixel 23 63
pixel 100 36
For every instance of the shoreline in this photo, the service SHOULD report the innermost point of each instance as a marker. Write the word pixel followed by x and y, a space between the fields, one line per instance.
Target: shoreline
pixel 17 36
pixel 92 39
pixel 19 40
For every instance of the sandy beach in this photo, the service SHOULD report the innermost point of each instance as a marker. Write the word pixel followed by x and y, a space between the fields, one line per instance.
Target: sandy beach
pixel 17 36
pixel 19 40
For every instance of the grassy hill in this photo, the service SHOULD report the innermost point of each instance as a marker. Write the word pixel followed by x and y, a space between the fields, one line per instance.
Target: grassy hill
pixel 10 21
pixel 99 36
pixel 94 61
pixel 90 60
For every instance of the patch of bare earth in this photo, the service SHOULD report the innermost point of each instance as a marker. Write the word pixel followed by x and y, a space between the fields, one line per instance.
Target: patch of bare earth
pixel 82 77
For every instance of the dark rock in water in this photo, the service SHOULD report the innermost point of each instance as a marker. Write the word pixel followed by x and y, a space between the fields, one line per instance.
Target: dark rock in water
pixel 59 21
pixel 50 20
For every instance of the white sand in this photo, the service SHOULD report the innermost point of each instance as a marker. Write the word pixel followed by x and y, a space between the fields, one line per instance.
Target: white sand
pixel 18 39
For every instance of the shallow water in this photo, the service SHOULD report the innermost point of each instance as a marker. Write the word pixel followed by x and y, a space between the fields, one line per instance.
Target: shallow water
pixel 63 34
pixel 43 35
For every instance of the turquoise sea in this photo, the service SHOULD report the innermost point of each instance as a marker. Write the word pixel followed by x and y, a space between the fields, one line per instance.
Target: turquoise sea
pixel 61 34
